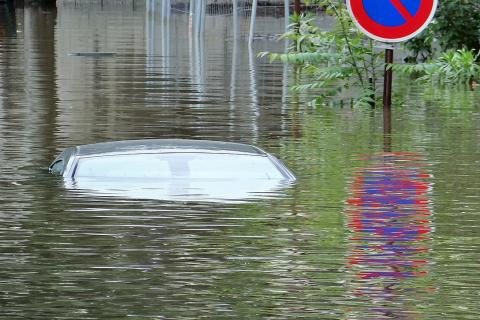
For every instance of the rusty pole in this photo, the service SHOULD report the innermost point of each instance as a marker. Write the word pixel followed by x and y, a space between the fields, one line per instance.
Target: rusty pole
pixel 297 7
pixel 388 76
pixel 387 100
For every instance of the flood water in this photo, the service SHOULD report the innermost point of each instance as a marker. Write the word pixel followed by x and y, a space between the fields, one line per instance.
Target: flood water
pixel 366 233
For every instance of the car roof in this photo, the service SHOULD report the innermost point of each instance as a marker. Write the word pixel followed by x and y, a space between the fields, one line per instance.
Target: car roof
pixel 149 145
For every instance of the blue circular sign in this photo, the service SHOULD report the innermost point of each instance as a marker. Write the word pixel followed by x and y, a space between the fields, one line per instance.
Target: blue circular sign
pixel 386 13
pixel 392 20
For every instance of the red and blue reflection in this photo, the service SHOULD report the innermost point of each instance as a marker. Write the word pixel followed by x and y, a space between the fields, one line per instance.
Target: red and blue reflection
pixel 389 217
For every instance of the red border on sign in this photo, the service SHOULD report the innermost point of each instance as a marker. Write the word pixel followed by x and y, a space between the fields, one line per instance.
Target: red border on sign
pixel 397 33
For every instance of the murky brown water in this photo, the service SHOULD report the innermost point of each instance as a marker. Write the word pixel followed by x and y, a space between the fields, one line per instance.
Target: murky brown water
pixel 363 235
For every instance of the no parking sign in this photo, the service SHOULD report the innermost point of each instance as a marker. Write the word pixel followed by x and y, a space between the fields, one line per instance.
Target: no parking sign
pixel 392 20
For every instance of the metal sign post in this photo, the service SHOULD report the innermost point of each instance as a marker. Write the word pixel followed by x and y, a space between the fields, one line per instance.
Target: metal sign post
pixel 391 21
pixel 387 80
pixel 387 102
pixel 297 7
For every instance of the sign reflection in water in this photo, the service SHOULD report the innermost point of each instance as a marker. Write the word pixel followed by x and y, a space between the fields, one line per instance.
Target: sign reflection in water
pixel 390 221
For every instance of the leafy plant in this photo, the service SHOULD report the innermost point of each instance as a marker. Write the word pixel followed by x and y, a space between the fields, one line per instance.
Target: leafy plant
pixel 331 62
pixel 459 67
pixel 334 60
pixel 456 26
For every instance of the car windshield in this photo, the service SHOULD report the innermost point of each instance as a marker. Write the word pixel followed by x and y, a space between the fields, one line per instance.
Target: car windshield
pixel 179 165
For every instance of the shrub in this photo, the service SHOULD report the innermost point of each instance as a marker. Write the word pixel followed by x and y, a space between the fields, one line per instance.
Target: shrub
pixel 456 26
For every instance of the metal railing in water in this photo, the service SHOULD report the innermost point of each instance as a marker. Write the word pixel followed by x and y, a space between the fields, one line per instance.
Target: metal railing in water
pixel 199 9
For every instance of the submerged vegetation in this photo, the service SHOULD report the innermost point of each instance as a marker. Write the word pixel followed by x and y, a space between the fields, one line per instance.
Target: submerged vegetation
pixel 330 62
pixel 457 67
pixel 456 26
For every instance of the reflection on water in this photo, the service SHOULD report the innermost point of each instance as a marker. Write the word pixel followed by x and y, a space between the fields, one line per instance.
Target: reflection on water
pixel 390 223
pixel 197 190
pixel 171 78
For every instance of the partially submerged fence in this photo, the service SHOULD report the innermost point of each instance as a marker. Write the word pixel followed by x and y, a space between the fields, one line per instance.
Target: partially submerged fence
pixel 199 9
pixel 247 10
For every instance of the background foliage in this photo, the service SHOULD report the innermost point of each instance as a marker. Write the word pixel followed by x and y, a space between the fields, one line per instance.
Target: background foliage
pixel 456 26
pixel 329 61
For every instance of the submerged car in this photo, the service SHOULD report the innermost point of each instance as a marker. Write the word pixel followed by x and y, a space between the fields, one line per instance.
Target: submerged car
pixel 172 169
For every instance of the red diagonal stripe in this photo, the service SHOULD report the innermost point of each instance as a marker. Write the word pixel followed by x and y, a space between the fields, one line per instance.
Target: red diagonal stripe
pixel 401 9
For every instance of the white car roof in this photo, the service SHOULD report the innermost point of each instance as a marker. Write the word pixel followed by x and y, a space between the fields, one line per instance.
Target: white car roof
pixel 149 145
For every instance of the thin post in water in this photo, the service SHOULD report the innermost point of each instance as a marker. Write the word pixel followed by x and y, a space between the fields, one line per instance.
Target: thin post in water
pixel 297 7
pixel 387 99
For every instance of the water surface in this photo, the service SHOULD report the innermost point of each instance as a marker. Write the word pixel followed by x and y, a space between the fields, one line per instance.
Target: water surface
pixel 365 234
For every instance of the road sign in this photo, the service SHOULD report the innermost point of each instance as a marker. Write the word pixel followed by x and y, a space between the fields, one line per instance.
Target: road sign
pixel 392 20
